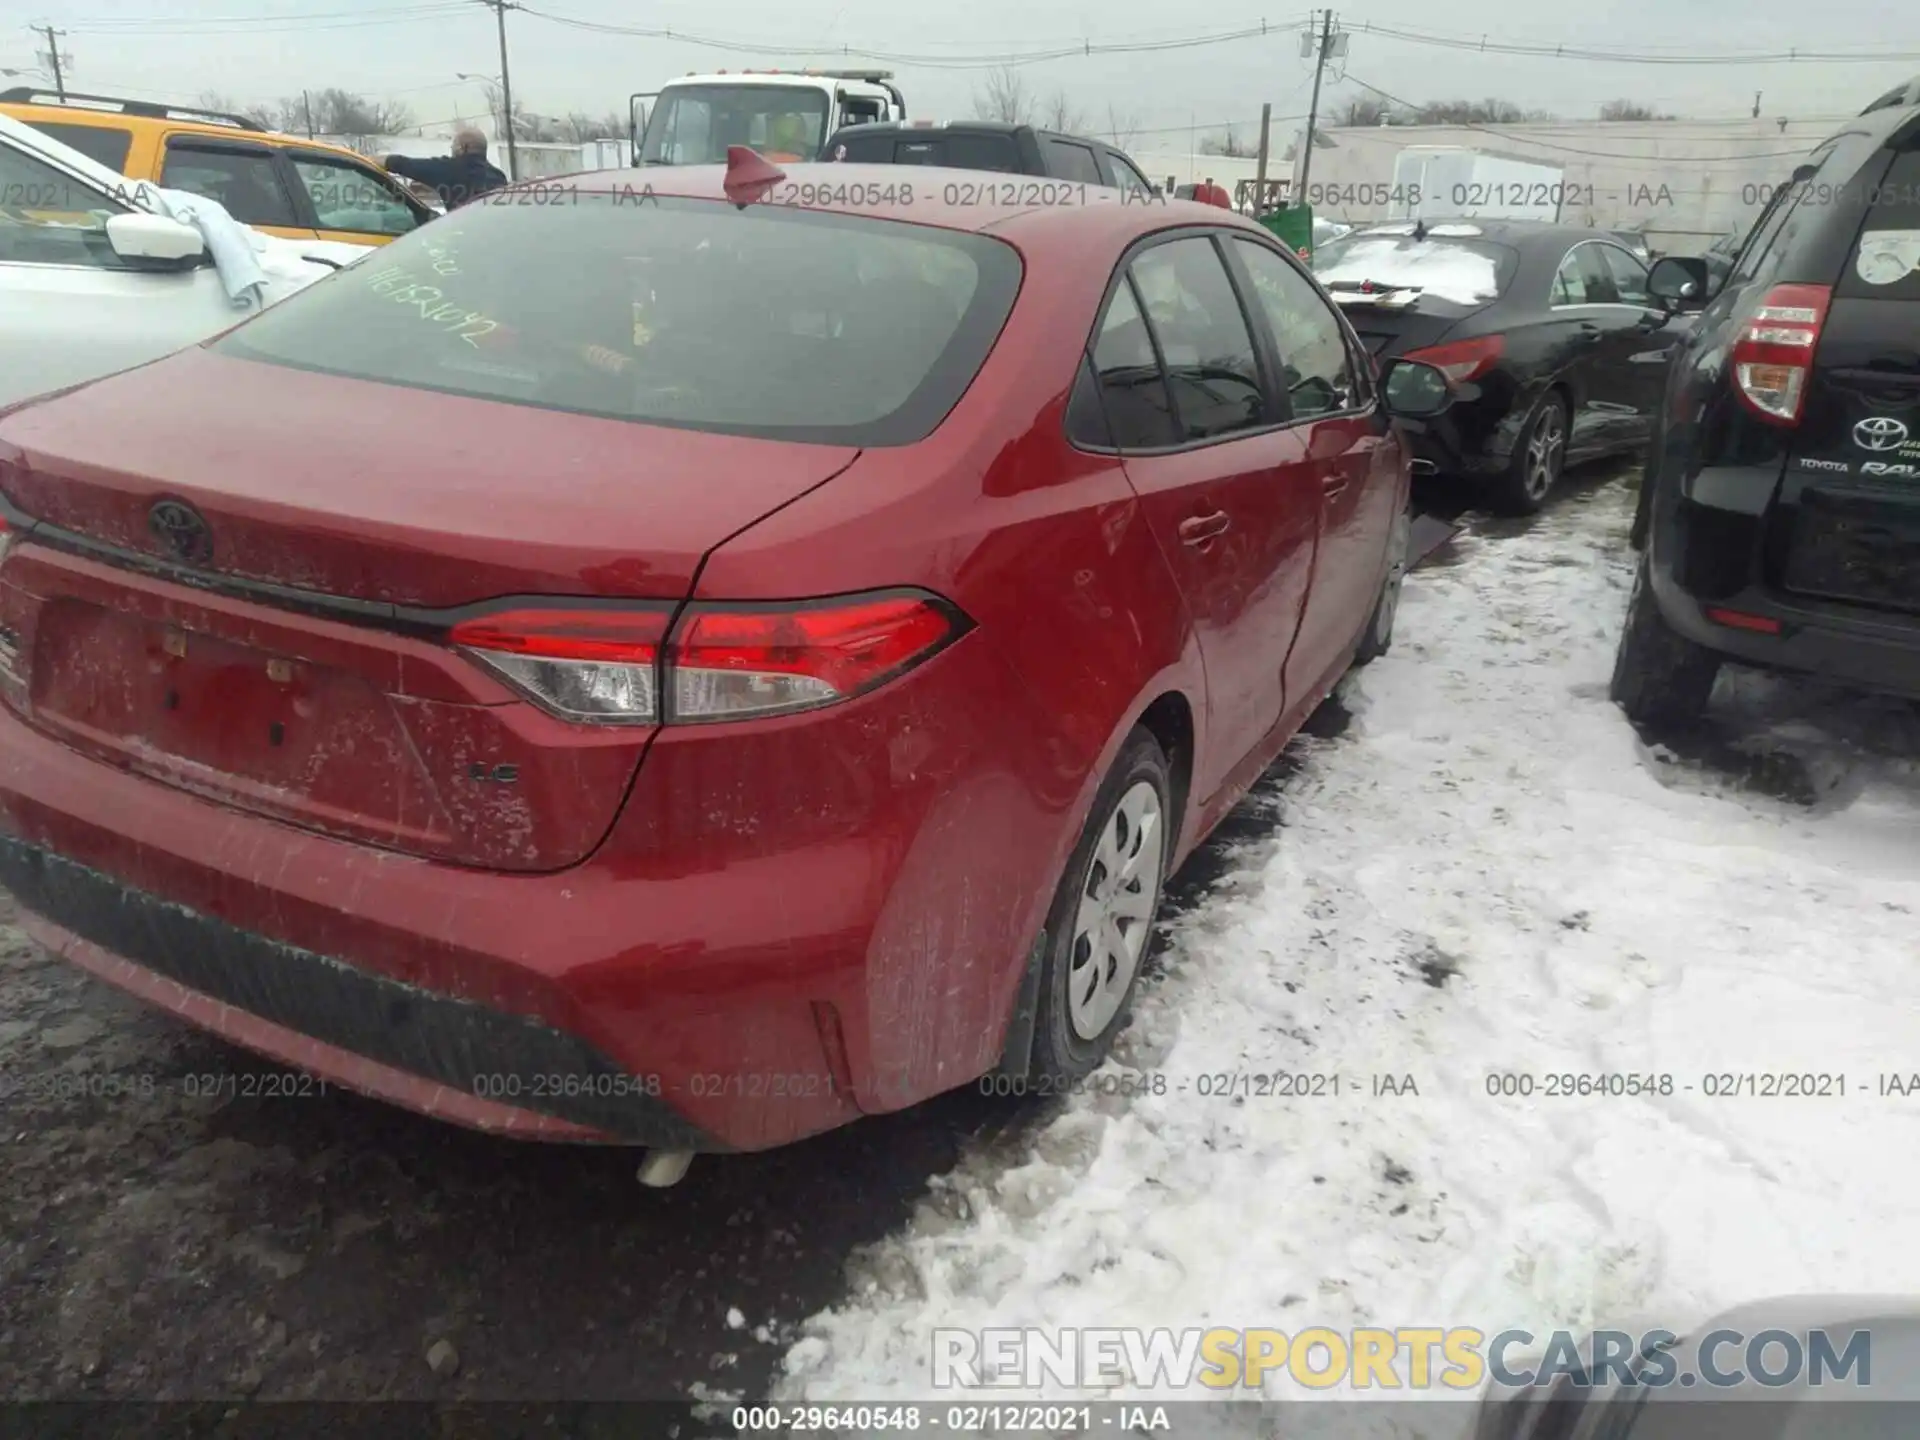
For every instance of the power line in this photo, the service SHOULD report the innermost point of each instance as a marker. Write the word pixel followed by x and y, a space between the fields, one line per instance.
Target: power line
pixel 1694 56
pixel 1710 161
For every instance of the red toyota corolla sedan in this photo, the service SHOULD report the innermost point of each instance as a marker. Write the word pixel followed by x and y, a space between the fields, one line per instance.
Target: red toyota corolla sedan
pixel 627 666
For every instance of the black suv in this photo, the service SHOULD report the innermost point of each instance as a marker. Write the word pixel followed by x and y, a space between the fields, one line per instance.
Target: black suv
pixel 1779 520
pixel 987 145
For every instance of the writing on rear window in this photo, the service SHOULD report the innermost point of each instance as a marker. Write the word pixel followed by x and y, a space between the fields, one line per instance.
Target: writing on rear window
pixel 429 301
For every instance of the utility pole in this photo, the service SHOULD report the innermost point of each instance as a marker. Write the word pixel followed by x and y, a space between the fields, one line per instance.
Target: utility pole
pixel 1321 51
pixel 500 8
pixel 1260 170
pixel 306 100
pixel 1756 104
pixel 53 58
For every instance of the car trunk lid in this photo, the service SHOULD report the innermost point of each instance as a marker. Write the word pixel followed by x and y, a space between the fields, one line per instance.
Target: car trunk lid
pixel 297 668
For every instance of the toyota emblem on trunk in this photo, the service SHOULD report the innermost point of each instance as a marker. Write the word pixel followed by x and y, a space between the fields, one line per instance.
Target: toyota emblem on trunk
pixel 179 527
pixel 1880 432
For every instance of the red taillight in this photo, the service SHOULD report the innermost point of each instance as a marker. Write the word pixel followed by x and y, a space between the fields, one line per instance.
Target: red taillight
pixel 1740 620
pixel 728 662
pixel 1462 360
pixel 724 662
pixel 1773 358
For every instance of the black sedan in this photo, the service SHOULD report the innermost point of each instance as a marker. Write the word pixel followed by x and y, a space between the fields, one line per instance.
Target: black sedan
pixel 1558 350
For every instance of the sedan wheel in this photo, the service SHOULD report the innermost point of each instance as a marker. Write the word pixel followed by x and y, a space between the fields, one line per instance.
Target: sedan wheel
pixel 1103 912
pixel 1539 458
pixel 1116 910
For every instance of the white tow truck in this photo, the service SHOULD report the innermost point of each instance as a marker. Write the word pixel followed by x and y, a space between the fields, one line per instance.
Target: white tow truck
pixel 786 115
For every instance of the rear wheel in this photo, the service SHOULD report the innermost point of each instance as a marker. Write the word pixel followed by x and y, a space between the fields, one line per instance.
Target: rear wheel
pixel 1102 918
pixel 1378 637
pixel 1660 677
pixel 1538 458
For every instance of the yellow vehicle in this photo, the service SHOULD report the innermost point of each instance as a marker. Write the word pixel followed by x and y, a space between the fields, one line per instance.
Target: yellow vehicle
pixel 282 184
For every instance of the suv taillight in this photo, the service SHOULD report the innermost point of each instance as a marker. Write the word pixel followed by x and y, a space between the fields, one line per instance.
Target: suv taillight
pixel 1773 358
pixel 1463 360
pixel 722 662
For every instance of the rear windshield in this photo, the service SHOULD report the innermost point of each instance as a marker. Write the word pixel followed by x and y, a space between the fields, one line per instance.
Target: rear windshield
pixel 1885 264
pixel 1462 269
pixel 957 152
pixel 771 321
pixel 102 144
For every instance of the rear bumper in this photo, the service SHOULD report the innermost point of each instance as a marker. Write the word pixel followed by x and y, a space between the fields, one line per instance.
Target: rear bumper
pixel 1710 554
pixel 771 943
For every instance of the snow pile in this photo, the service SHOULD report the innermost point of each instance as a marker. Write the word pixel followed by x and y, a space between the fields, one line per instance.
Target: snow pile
pixel 1486 873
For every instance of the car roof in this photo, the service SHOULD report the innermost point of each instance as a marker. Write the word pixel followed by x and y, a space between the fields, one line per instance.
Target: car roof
pixel 851 188
pixel 1517 233
pixel 938 127
pixel 37 142
pixel 180 121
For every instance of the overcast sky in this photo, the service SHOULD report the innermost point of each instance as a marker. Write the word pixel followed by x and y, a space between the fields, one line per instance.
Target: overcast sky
pixel 412 50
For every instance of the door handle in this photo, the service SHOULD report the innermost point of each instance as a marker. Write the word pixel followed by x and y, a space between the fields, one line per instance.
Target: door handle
pixel 1202 530
pixel 1589 333
pixel 1333 485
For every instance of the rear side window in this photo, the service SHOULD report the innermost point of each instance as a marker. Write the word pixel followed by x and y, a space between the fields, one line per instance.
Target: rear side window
pixel 1069 161
pixel 1139 411
pixel 1203 336
pixel 775 321
pixel 103 144
pixel 1885 264
pixel 245 182
pixel 982 152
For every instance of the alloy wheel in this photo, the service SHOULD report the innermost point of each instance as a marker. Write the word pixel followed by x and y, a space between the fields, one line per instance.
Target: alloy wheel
pixel 1545 450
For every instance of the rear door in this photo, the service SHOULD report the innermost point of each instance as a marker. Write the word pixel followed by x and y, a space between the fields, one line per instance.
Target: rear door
pixel 1640 338
pixel 1587 345
pixel 1349 454
pixel 245 177
pixel 1222 479
pixel 1854 463
pixel 1071 160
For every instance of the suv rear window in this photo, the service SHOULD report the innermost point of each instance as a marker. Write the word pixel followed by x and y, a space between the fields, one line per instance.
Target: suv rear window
pixel 1460 268
pixel 772 321
pixel 958 152
pixel 1885 263
pixel 103 144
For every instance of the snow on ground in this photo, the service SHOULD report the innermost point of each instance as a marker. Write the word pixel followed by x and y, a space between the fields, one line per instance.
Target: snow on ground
pixel 1486 873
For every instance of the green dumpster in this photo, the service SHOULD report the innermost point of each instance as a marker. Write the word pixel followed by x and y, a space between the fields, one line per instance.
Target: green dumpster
pixel 1293 227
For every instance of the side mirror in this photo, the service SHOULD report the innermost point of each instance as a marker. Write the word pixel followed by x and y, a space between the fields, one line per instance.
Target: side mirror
pixel 1680 281
pixel 154 239
pixel 1414 390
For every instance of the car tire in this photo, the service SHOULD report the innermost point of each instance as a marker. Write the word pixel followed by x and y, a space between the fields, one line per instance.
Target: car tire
pixel 1377 638
pixel 1539 457
pixel 1660 678
pixel 1087 983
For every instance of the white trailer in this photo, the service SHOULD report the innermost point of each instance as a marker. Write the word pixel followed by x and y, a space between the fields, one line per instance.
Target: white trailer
pixel 786 115
pixel 1431 182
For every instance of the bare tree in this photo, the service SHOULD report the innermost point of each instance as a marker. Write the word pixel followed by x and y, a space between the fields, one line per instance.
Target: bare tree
pixel 1226 143
pixel 341 112
pixel 579 127
pixel 1476 112
pixel 526 125
pixel 1061 114
pixel 267 117
pixel 1630 110
pixel 1123 127
pixel 1006 97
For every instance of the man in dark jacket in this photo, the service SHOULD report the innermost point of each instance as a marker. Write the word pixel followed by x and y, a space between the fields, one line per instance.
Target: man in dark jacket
pixel 462 176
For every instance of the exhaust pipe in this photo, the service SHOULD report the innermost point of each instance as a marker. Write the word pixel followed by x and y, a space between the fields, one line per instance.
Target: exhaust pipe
pixel 663 1168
